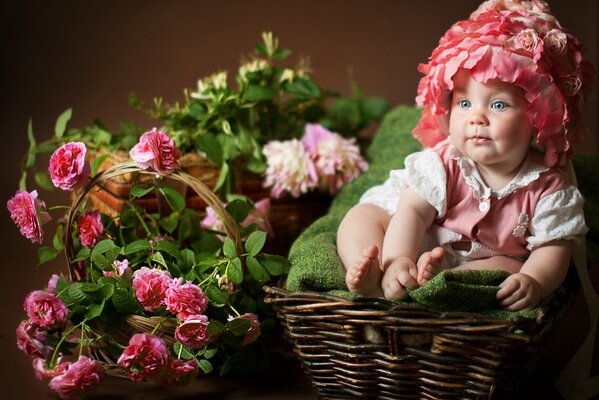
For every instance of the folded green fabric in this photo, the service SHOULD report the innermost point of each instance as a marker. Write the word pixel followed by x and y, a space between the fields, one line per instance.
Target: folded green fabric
pixel 315 265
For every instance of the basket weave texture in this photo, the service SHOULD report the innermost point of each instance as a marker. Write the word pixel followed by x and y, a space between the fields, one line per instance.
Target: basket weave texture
pixel 374 349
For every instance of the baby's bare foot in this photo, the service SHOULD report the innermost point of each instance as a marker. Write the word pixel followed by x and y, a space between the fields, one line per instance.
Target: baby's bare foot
pixel 364 275
pixel 429 264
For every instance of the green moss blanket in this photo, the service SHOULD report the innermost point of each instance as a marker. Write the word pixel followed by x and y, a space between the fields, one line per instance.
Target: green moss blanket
pixel 313 256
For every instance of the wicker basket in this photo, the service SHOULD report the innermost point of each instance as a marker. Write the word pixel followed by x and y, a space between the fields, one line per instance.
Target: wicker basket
pixel 134 323
pixel 374 349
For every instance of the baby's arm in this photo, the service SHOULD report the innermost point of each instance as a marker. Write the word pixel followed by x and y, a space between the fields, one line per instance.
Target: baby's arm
pixel 542 273
pixel 402 241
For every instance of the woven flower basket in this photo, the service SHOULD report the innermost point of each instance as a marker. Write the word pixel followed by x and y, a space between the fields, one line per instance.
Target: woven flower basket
pixel 288 216
pixel 375 349
pixel 160 326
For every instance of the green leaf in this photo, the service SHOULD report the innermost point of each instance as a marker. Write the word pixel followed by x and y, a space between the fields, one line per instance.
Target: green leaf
pixel 169 247
pixel 61 123
pixel 76 294
pixel 255 242
pixel 275 265
pixel 248 305
pixel 103 246
pixel 173 198
pixel 210 145
pixel 61 284
pixel 210 352
pixel 235 272
pixel 205 366
pixel 97 163
pixel 257 270
pixel 215 327
pixel 31 152
pixel 158 257
pixel 138 245
pixel 43 180
pixel 102 262
pixel 222 177
pixel 303 89
pixel 140 191
pixel 281 53
pixel 229 249
pixel 239 209
pixel 197 110
pixel 83 254
pixel 187 260
pixel 57 240
pixel 46 254
pixel 238 326
pixel 169 223
pixel 216 295
pixel 182 351
pixel 259 93
pixel 261 49
pixel 124 301
pixel 94 310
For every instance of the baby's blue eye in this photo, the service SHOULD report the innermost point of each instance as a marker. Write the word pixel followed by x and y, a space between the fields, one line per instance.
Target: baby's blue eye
pixel 464 104
pixel 498 105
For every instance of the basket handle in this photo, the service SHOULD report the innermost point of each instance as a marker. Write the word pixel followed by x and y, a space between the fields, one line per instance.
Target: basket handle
pixel 129 167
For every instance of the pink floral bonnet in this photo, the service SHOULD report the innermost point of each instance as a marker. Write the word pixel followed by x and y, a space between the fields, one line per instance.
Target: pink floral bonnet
pixel 518 42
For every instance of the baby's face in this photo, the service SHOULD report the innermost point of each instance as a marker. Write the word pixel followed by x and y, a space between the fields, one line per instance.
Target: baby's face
pixel 488 122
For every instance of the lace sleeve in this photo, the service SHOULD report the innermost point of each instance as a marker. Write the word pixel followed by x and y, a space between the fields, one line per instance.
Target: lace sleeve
pixel 558 216
pixel 425 174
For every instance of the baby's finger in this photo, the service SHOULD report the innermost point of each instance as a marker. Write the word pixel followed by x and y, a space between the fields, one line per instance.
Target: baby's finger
pixel 407 280
pixel 507 288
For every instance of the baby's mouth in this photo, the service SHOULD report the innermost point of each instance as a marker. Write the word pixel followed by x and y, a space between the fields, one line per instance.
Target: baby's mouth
pixel 477 139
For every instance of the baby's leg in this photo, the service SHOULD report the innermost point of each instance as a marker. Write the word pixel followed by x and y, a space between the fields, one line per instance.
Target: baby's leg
pixel 496 262
pixel 359 240
pixel 430 264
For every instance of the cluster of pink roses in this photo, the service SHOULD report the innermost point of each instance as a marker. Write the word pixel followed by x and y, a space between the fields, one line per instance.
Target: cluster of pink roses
pixel 322 159
pixel 48 313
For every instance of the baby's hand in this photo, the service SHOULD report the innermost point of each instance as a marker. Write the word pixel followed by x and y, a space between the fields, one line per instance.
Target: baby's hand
pixel 399 275
pixel 519 292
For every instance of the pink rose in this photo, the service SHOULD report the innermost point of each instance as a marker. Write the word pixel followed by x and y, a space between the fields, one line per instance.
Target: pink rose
pixel 150 286
pixel 157 151
pixel 28 213
pixel 69 167
pixel 145 357
pixel 45 309
pixel 31 339
pixel 253 331
pixel 179 372
pixel 90 228
pixel 570 85
pixel 527 40
pixel 185 299
pixel 556 43
pixel 121 268
pixel 192 333
pixel 41 370
pixel 77 378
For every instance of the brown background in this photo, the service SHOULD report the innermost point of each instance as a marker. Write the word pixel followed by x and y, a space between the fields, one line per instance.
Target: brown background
pixel 90 55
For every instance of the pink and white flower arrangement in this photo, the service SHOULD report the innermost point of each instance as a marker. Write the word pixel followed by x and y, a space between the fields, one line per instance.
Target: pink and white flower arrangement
pixel 29 214
pixel 156 150
pixel 322 159
pixel 69 168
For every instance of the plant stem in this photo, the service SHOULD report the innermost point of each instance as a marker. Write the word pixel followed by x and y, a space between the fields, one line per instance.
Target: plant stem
pixel 62 339
pixel 158 325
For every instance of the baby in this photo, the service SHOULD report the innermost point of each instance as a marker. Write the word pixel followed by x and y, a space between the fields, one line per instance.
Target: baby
pixel 481 196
